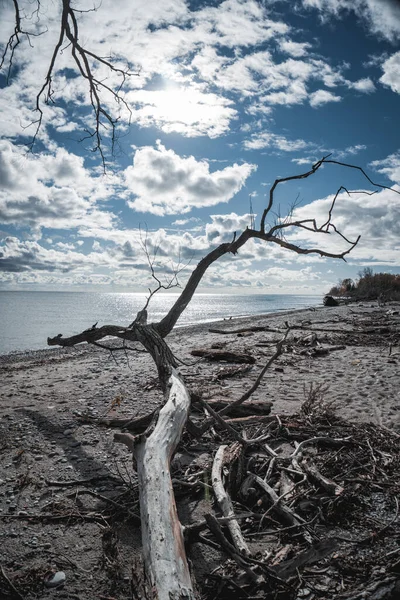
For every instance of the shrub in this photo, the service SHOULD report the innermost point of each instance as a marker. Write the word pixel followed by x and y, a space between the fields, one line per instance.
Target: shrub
pixel 370 286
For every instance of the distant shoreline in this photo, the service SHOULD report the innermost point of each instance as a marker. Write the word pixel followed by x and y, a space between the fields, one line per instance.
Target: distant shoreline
pixel 28 320
pixel 75 351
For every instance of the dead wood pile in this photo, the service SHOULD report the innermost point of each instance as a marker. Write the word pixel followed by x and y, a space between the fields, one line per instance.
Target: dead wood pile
pixel 314 501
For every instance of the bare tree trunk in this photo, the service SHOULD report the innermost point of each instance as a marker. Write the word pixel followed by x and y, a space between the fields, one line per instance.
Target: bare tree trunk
pixel 164 552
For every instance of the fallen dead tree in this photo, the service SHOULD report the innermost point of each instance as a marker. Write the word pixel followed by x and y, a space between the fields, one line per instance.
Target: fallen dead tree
pixel 164 553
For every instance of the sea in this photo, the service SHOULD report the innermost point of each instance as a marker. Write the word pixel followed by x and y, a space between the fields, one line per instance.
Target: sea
pixel 28 318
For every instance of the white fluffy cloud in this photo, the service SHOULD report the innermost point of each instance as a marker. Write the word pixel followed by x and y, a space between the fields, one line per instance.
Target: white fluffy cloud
pixel 382 17
pixel 321 97
pixel 391 72
pixel 364 85
pixel 49 190
pixel 162 182
pixel 389 166
pixel 296 49
pixel 222 227
pixel 187 111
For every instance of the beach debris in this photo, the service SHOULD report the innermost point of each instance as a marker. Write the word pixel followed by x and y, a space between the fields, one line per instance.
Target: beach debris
pixel 228 372
pixel 330 301
pixel 223 457
pixel 244 409
pixel 54 580
pixel 223 355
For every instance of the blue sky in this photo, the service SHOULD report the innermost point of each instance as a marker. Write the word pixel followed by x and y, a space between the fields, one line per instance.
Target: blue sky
pixel 224 97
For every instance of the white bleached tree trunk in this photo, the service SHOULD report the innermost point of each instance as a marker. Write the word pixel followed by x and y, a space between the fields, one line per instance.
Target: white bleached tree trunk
pixel 163 547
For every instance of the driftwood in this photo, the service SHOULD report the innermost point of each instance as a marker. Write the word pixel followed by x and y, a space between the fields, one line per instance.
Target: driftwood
pixel 136 424
pixel 162 537
pixel 225 502
pixel 330 486
pixel 254 329
pixel 245 409
pixel 216 354
pixel 290 568
pixel 215 528
pixel 278 505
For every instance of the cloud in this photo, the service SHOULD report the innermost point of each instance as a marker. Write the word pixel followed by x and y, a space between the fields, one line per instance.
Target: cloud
pixel 296 49
pixel 266 139
pixel 240 23
pixel 162 182
pixel 389 166
pixel 349 151
pixel 185 110
pixel 365 85
pixel 391 73
pixel 381 17
pixel 62 245
pixel 321 97
pixel 180 222
pixel 275 279
pixel 17 256
pixel 222 227
pixel 49 190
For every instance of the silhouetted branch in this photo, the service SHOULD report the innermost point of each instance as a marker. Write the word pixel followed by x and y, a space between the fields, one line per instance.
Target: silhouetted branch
pixel 15 39
pixel 84 60
pixel 312 171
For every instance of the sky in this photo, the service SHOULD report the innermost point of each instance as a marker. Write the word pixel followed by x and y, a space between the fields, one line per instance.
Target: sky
pixel 222 97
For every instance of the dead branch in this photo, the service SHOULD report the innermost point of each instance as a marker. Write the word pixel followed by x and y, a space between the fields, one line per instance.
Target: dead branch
pixel 250 392
pixel 86 63
pixel 330 486
pixel 224 355
pixel 279 507
pixel 162 536
pixel 225 502
pixel 290 568
pixel 215 528
pixel 10 584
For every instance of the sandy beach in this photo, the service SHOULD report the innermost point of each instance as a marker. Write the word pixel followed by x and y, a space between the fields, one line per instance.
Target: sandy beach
pixel 351 351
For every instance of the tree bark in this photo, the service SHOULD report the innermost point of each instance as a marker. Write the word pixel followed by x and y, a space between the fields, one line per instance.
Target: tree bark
pixel 163 547
pixel 225 503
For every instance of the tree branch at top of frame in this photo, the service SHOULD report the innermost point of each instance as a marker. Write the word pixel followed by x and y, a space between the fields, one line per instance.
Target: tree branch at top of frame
pixel 85 62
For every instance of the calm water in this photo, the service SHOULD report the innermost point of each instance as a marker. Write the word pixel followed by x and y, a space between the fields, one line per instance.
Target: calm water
pixel 28 318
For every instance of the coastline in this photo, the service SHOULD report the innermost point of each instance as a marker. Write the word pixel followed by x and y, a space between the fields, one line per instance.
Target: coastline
pixel 362 377
pixel 27 323
pixel 202 327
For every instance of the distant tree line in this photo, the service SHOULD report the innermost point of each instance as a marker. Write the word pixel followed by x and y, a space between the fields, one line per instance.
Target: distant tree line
pixel 369 286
